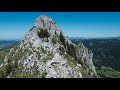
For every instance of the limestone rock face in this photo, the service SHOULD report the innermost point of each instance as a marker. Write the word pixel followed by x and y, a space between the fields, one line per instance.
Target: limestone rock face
pixel 44 52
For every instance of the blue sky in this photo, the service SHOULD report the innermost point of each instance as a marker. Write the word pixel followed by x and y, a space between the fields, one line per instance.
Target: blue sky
pixel 14 25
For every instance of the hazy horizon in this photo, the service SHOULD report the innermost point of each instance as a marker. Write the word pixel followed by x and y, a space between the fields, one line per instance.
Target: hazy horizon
pixel 14 25
pixel 18 39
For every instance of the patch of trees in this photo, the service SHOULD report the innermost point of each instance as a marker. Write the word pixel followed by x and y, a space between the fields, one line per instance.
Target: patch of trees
pixel 43 33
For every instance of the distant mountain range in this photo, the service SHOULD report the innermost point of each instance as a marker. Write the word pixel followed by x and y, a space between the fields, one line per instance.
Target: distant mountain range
pixel 115 37
pixel 95 37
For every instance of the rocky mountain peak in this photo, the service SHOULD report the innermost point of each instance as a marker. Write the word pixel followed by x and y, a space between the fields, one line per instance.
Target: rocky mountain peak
pixel 42 20
pixel 44 52
pixel 45 22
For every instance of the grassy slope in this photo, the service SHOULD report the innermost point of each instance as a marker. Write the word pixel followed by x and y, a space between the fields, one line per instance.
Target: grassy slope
pixel 107 72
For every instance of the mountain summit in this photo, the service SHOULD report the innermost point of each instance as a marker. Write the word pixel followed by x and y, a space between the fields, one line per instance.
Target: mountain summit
pixel 44 52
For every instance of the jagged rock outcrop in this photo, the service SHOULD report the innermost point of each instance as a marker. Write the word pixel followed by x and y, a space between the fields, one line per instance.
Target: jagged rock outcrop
pixel 44 52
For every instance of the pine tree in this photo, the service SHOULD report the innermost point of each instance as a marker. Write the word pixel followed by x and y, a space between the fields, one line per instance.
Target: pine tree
pixel 55 33
pixel 62 39
pixel 46 34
